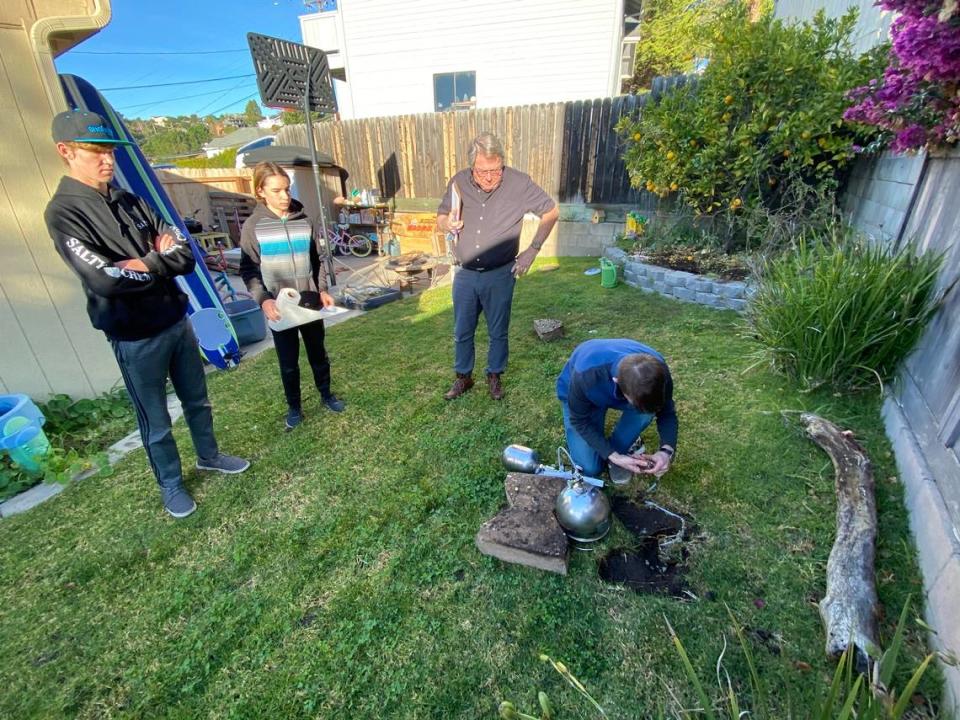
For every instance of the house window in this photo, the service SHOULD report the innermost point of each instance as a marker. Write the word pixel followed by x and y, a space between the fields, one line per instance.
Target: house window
pixel 454 91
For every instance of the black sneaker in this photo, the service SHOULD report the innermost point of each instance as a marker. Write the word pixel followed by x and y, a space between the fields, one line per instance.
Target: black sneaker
pixel 177 501
pixel 334 403
pixel 294 418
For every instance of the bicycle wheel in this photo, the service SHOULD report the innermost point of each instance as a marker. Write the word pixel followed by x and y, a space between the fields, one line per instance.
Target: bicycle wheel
pixel 360 245
pixel 333 242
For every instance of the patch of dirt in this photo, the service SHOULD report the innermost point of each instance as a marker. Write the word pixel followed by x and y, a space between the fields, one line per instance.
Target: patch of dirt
pixel 700 262
pixel 647 568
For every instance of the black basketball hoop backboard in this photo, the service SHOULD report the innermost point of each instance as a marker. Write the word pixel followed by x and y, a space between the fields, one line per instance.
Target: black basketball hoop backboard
pixel 287 71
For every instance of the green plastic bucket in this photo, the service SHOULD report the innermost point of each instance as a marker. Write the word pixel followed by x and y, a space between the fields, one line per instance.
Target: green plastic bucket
pixel 608 273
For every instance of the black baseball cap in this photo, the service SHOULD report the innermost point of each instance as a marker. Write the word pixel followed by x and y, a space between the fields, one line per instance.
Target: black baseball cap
pixel 85 127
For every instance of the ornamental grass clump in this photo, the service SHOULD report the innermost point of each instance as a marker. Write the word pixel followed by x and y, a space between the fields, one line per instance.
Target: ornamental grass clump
pixel 842 311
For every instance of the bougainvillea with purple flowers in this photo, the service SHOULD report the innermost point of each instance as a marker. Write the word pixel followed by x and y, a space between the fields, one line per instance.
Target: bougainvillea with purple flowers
pixel 916 101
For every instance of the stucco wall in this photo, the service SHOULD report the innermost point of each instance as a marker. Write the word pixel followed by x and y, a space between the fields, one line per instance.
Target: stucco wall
pixel 48 345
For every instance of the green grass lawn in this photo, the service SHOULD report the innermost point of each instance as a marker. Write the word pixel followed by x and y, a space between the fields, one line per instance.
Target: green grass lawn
pixel 338 577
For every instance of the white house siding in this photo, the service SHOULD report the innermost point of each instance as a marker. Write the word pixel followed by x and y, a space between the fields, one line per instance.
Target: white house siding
pixel 873 24
pixel 522 51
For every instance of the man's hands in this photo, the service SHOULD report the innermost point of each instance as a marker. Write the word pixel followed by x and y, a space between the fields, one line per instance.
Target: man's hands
pixel 524 261
pixel 633 463
pixel 327 299
pixel 132 264
pixel 656 464
pixel 269 308
pixel 449 226
pixel 164 242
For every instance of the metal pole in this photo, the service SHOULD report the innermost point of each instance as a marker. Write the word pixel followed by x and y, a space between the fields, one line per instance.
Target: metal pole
pixel 327 256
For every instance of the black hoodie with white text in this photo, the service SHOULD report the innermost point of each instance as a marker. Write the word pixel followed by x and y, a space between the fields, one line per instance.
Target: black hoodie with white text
pixel 92 232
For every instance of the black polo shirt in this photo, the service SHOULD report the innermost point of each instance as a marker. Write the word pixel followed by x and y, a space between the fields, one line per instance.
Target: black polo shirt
pixel 492 221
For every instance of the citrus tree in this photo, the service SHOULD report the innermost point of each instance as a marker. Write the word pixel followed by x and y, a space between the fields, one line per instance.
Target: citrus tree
pixel 767 112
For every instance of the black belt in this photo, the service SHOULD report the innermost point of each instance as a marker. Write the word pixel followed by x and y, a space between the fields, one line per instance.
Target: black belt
pixel 487 269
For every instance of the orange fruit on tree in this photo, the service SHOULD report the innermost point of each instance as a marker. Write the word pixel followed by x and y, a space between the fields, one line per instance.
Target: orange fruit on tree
pixel 671 155
pixel 636 137
pixel 728 100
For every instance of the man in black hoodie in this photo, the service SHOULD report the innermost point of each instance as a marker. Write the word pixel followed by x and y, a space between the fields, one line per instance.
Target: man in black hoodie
pixel 127 259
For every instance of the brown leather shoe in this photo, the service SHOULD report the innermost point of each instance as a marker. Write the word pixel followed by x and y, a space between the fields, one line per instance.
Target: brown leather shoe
pixel 496 387
pixel 460 386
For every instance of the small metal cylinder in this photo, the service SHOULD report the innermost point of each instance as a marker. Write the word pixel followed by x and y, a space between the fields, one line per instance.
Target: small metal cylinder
pixel 518 458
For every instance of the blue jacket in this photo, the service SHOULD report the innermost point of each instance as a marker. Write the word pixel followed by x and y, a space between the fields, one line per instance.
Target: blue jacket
pixel 586 385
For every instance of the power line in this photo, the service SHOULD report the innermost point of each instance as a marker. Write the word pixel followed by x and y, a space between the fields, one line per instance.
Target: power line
pixel 158 102
pixel 222 95
pixel 184 82
pixel 231 104
pixel 189 52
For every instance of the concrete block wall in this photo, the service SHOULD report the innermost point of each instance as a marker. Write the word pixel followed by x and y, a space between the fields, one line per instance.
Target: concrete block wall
pixel 680 285
pixel 581 239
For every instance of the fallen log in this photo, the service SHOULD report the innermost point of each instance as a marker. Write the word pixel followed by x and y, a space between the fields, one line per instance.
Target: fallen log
pixel 849 608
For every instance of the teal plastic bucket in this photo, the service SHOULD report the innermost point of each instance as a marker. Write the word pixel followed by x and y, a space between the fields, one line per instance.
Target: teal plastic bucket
pixel 608 273
pixel 21 432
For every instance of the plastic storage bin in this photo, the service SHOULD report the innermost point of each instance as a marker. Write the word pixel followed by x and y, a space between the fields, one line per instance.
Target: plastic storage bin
pixel 21 432
pixel 247 319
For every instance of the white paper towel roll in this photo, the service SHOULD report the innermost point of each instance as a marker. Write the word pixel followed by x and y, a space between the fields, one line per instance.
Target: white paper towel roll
pixel 292 315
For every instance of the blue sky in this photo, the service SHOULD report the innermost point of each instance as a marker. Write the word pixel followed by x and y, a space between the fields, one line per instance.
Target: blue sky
pixel 180 26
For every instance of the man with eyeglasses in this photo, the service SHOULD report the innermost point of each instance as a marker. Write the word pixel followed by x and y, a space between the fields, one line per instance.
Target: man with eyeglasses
pixel 487 226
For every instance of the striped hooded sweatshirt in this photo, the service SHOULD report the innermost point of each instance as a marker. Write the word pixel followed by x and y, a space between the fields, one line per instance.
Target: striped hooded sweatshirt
pixel 279 253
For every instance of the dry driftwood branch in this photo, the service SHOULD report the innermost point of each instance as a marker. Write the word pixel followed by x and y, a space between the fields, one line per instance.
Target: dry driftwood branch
pixel 849 609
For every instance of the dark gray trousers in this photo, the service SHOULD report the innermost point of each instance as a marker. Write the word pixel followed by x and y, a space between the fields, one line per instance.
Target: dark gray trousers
pixel 145 365
pixel 490 292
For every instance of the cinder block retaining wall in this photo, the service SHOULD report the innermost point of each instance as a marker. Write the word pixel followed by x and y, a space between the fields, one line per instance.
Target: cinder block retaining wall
pixel 680 285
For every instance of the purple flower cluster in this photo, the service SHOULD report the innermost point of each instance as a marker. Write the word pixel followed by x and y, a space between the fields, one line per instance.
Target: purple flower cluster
pixel 917 99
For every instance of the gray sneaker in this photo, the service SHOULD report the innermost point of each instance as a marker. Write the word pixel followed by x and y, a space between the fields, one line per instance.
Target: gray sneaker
pixel 229 464
pixel 177 501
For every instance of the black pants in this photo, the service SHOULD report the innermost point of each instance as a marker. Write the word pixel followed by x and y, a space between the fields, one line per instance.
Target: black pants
pixel 287 344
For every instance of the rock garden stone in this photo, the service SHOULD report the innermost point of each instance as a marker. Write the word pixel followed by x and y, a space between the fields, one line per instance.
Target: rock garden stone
pixel 548 329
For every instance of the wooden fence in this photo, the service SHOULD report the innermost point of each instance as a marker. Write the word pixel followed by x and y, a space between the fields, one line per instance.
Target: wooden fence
pixel 570 149
pixel 190 189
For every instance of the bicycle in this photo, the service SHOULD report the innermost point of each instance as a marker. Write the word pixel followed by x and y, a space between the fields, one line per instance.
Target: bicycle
pixel 341 241
pixel 217 265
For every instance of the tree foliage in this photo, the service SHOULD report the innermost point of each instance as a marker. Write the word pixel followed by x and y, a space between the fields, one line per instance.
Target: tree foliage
pixel 252 114
pixel 674 36
pixel 176 136
pixel 767 112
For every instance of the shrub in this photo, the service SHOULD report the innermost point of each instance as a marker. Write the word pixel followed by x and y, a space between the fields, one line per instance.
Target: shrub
pixel 840 310
pixel 766 113
pixel 226 159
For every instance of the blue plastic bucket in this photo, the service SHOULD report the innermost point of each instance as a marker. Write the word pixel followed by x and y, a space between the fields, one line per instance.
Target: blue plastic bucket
pixel 21 432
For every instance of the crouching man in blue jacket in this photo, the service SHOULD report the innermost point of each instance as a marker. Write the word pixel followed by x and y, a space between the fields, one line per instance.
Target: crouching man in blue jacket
pixel 624 375
pixel 127 259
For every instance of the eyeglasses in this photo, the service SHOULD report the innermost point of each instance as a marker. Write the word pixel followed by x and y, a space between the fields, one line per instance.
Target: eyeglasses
pixel 488 173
